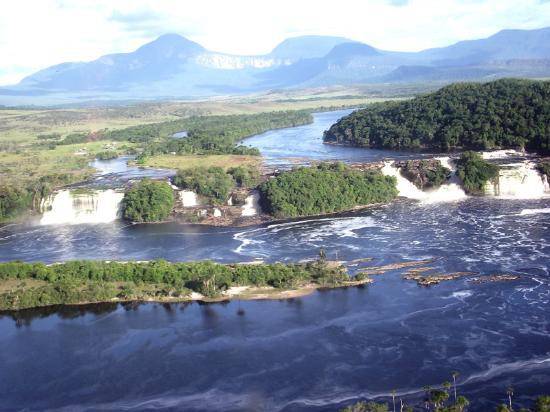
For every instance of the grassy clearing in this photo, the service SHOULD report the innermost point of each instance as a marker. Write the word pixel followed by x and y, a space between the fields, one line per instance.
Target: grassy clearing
pixel 192 161
pixel 28 164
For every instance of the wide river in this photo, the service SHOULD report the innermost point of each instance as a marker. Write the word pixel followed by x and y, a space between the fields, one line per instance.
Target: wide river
pixel 313 353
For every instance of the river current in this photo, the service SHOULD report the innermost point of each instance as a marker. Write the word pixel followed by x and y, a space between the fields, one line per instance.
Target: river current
pixel 319 352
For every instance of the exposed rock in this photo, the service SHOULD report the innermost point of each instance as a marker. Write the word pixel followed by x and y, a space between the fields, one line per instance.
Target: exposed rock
pixel 494 278
pixel 429 280
pixel 424 173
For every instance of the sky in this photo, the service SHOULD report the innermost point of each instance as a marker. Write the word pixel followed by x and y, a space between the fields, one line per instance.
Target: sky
pixel 35 34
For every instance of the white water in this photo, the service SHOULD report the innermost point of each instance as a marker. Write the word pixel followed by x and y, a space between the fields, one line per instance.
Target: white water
pixel 501 154
pixel 529 212
pixel 188 198
pixel 66 207
pixel 449 192
pixel 251 205
pixel 519 180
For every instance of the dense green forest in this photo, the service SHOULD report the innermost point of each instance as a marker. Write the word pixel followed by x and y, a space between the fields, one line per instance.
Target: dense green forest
pixel 475 172
pixel 214 182
pixel 94 281
pixel 501 114
pixel 325 188
pixel 148 201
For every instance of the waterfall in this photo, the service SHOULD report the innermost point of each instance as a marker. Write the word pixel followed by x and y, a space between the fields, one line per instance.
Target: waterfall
pixel 188 198
pixel 251 205
pixel 448 192
pixel 67 207
pixel 519 180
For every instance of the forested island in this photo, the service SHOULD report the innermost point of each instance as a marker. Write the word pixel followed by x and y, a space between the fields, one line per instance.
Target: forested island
pixel 506 113
pixel 325 188
pixel 29 285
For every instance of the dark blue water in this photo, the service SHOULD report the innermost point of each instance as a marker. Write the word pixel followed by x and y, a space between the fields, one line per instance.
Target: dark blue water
pixel 304 144
pixel 314 353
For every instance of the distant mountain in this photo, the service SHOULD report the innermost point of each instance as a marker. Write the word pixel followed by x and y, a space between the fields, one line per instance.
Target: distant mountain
pixel 306 47
pixel 173 66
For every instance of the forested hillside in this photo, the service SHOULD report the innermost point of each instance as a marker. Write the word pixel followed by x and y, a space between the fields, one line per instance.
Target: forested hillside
pixel 501 114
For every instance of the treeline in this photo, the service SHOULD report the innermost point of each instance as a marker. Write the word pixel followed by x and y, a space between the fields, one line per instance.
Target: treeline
pixel 208 134
pixel 94 281
pixel 326 188
pixel 16 200
pixel 501 114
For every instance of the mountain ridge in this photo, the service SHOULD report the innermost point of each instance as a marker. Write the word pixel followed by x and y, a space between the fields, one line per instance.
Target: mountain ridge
pixel 174 65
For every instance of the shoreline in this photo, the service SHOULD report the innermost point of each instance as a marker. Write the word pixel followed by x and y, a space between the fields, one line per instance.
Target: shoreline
pixel 234 293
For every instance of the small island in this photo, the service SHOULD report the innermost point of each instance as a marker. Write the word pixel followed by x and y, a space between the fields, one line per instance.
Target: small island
pixel 32 285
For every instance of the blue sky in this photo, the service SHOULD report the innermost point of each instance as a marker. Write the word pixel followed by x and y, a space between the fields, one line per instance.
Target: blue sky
pixel 38 33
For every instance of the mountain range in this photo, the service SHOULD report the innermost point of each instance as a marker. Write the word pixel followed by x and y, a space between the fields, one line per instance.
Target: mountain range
pixel 173 66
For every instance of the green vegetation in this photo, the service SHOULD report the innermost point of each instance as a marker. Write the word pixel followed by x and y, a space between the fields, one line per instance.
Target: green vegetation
pixel 475 172
pixel 107 155
pixel 501 114
pixel 16 200
pixel 213 182
pixel 36 284
pixel 148 201
pixel 245 176
pixel 208 134
pixel 325 188
pixel 425 173
pixel 445 399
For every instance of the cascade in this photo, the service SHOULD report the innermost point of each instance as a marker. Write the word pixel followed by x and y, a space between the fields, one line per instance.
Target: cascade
pixel 188 198
pixel 519 180
pixel 68 207
pixel 251 205
pixel 448 192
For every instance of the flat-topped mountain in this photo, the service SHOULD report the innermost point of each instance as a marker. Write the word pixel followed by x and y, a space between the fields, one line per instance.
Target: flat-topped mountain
pixel 173 66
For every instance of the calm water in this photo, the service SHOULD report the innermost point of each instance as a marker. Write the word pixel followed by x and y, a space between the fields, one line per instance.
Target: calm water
pixel 315 353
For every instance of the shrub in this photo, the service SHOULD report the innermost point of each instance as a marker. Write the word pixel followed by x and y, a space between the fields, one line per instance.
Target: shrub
pixel 475 172
pixel 148 201
pixel 213 182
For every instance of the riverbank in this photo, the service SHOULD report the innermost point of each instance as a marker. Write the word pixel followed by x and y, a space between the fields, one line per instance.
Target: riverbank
pixel 32 285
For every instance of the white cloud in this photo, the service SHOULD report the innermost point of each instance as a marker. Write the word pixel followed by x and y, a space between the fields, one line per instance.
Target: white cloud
pixel 38 33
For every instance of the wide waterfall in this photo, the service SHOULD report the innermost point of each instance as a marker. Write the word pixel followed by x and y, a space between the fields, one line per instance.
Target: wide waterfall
pixel 519 180
pixel 72 207
pixel 448 192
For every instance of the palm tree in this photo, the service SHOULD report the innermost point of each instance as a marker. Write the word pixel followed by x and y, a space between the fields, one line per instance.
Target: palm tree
pixel 510 393
pixel 393 392
pixel 454 375
pixel 461 403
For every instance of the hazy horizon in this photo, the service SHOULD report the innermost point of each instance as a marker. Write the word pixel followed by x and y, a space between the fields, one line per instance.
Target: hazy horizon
pixel 84 30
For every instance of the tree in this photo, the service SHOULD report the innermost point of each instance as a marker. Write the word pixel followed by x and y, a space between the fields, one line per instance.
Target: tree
pixel 543 404
pixel 462 403
pixel 455 375
pixel 510 393
pixel 148 201
pixel 366 407
pixel 393 393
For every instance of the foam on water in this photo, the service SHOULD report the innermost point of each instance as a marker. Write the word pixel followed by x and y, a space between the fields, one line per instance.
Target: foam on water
pixel 66 207
pixel 449 192
pixel 527 212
